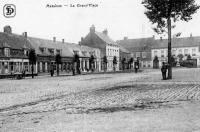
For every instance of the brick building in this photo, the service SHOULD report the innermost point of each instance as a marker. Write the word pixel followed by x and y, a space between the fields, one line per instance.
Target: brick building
pixel 107 46
pixel 13 52
pixel 140 49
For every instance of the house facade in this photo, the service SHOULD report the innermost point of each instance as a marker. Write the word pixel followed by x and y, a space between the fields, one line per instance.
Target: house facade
pixel 140 49
pixel 46 51
pixel 180 46
pixel 107 46
pixel 14 51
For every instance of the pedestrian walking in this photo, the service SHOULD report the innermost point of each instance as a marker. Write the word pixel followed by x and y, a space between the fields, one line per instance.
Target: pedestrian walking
pixel 52 71
pixel 164 70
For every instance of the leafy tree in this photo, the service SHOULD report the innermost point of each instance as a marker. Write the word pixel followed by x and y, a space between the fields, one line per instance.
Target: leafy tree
pixel 32 60
pixel 189 57
pixel 180 56
pixel 114 62
pixel 105 61
pixel 161 12
pixel 123 63
pixel 58 61
pixel 91 61
pixel 173 61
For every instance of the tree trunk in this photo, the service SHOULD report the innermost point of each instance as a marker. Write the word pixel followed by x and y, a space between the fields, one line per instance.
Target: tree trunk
pixel 169 49
pixel 57 69
pixel 32 69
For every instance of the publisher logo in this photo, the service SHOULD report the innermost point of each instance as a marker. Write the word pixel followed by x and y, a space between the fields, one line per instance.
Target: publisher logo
pixel 9 10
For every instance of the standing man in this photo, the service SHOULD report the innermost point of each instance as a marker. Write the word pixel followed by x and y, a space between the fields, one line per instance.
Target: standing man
pixel 164 70
pixel 136 67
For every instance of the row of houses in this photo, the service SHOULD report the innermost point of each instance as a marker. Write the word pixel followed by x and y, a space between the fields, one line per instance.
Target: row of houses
pixel 14 50
pixel 146 49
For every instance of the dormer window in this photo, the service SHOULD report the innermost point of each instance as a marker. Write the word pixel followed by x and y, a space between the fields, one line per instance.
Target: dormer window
pixel 7 52
pixel 76 52
pixel 58 51
pixel 43 50
pixel 51 51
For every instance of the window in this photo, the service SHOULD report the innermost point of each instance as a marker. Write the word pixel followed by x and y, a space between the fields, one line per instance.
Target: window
pixel 43 50
pixel 155 53
pixel 193 52
pixel 76 52
pixel 7 52
pixel 162 53
pixel 58 51
pixel 137 54
pixel 185 51
pixel 180 51
pixel 173 52
pixel 51 51
pixel 144 55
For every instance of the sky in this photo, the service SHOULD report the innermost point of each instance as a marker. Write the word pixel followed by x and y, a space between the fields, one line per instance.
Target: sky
pixel 122 18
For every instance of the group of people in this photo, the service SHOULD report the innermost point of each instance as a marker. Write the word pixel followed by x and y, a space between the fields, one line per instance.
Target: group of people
pixel 164 69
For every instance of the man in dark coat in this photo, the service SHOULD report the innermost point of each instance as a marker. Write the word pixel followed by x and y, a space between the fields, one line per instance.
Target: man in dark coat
pixel 164 70
pixel 136 67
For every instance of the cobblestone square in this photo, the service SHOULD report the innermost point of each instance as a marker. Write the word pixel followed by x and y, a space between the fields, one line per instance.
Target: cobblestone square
pixel 102 102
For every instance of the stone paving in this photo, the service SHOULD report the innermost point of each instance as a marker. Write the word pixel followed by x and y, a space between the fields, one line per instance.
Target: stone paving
pixel 122 93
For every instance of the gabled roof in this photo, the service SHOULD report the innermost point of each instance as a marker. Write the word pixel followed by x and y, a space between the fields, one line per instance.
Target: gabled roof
pixel 177 42
pixel 68 49
pixel 38 43
pixel 13 41
pixel 135 45
pixel 124 50
pixel 105 38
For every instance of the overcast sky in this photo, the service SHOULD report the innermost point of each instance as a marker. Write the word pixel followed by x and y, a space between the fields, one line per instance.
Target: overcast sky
pixel 120 17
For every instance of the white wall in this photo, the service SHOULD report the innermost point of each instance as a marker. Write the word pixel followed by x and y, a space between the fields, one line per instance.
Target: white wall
pixel 111 51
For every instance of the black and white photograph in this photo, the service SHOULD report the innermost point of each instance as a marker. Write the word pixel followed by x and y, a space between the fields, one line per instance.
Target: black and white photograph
pixel 100 66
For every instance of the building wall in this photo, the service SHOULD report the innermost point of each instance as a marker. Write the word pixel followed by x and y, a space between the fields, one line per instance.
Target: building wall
pixel 162 53
pixel 111 51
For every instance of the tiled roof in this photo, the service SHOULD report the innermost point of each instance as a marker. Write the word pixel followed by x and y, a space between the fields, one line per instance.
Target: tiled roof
pixel 14 41
pixel 124 50
pixel 134 45
pixel 38 43
pixel 68 49
pixel 105 38
pixel 177 42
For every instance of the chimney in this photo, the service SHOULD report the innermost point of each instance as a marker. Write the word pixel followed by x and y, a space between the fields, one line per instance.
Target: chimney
pixel 79 43
pixel 160 38
pixel 25 34
pixel 63 40
pixel 92 29
pixel 191 35
pixel 7 29
pixel 105 32
pixel 125 38
pixel 153 37
pixel 82 39
pixel 54 39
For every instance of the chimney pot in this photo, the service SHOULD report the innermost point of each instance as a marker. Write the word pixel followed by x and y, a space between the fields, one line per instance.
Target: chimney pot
pixel 125 38
pixel 63 40
pixel 191 35
pixel 160 38
pixel 7 29
pixel 25 34
pixel 54 39
pixel 105 32
pixel 92 29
